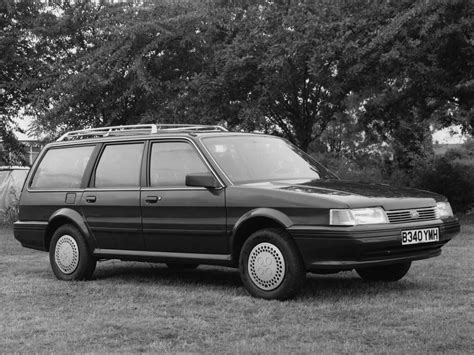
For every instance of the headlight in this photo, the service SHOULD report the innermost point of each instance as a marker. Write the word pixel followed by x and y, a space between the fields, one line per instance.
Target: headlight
pixel 444 209
pixel 353 217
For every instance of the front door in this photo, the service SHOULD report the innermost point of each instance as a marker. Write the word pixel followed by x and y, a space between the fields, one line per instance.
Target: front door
pixel 111 204
pixel 178 218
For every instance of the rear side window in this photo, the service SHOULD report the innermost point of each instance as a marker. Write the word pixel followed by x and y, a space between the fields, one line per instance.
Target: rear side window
pixel 62 168
pixel 119 166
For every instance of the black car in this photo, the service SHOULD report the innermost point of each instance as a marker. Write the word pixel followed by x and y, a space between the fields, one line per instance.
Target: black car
pixel 190 195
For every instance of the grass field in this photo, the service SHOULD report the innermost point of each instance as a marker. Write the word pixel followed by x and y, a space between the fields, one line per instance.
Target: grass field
pixel 142 307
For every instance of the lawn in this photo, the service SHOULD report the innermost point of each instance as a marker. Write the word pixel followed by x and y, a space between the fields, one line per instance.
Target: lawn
pixel 142 307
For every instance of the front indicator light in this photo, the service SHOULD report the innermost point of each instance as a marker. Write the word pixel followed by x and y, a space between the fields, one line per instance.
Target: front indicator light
pixel 357 216
pixel 341 218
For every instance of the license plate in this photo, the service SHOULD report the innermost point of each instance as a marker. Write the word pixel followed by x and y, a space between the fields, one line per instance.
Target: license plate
pixel 416 236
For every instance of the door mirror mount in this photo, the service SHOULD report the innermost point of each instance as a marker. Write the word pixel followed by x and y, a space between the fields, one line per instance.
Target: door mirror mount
pixel 202 180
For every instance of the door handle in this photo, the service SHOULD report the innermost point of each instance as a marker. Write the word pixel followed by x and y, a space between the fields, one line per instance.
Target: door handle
pixel 91 199
pixel 152 199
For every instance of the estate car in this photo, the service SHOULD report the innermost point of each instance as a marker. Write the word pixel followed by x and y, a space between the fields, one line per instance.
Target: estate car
pixel 188 195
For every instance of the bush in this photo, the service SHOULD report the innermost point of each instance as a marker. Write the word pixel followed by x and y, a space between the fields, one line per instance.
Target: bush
pixel 361 170
pixel 451 178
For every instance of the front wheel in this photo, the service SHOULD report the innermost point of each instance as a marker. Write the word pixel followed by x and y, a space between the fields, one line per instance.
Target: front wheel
pixel 69 255
pixel 393 272
pixel 270 265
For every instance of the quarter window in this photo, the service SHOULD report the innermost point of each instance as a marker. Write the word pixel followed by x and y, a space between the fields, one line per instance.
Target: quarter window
pixel 172 161
pixel 119 166
pixel 62 168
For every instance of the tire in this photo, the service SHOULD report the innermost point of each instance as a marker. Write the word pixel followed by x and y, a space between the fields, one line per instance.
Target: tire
pixel 70 256
pixel 393 272
pixel 283 277
pixel 182 266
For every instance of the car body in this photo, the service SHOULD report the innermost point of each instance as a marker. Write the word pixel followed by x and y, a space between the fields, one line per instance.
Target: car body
pixel 200 195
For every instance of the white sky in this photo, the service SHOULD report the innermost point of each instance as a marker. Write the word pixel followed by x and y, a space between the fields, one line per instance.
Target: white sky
pixel 449 135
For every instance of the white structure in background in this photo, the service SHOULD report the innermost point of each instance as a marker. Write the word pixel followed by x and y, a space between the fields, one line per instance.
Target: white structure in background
pixel 11 183
pixel 32 144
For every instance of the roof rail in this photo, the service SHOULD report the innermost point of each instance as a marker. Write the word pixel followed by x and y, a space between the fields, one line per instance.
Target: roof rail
pixel 188 127
pixel 126 130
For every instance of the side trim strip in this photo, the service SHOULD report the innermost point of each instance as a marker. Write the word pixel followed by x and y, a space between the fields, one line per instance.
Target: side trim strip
pixel 30 225
pixel 200 232
pixel 159 254
pixel 115 230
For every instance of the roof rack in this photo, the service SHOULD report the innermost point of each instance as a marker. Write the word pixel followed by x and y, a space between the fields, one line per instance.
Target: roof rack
pixel 127 130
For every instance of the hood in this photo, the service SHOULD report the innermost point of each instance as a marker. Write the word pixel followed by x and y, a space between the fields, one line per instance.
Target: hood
pixel 357 195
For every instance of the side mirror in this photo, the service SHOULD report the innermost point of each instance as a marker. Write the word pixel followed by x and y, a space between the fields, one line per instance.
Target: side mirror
pixel 202 180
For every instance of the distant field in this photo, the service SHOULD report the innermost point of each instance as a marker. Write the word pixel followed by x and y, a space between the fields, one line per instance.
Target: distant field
pixel 141 307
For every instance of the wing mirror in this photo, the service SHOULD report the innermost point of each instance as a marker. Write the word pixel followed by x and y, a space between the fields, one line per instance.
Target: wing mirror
pixel 202 180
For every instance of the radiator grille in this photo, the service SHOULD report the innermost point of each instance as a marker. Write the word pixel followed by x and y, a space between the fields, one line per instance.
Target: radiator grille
pixel 414 215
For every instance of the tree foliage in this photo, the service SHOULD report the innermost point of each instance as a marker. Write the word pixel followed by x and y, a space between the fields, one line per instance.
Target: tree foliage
pixel 333 76
pixel 278 73
pixel 126 65
pixel 422 75
pixel 17 65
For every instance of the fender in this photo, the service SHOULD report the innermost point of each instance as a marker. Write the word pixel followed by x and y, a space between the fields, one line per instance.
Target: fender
pixel 270 213
pixel 77 219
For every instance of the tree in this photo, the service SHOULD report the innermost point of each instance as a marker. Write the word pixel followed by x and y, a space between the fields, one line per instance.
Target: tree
pixel 17 65
pixel 297 69
pixel 276 72
pixel 421 64
pixel 119 65
pixel 272 67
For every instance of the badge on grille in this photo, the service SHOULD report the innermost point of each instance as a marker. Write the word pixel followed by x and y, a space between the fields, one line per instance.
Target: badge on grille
pixel 414 214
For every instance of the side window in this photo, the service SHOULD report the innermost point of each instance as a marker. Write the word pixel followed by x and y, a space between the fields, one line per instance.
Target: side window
pixel 119 166
pixel 62 168
pixel 172 161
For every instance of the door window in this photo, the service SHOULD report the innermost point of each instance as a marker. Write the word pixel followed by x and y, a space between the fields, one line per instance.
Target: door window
pixel 119 166
pixel 172 161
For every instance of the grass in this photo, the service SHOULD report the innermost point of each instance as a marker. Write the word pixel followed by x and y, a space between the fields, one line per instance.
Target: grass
pixel 142 307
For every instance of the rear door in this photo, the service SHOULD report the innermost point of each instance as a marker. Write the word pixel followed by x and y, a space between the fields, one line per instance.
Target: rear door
pixel 178 218
pixel 111 203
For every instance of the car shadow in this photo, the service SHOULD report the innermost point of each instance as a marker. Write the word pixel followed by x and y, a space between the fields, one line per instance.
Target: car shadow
pixel 343 284
pixel 160 273
pixel 350 284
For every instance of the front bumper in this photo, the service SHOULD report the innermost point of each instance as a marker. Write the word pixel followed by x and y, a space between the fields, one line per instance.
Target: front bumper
pixel 326 248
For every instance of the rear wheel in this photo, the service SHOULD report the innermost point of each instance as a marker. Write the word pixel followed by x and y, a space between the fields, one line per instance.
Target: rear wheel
pixel 393 272
pixel 69 255
pixel 270 265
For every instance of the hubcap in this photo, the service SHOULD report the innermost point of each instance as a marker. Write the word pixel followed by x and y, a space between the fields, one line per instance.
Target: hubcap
pixel 266 266
pixel 66 254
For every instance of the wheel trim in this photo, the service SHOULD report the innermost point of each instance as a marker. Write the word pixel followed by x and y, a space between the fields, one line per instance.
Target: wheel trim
pixel 266 266
pixel 66 254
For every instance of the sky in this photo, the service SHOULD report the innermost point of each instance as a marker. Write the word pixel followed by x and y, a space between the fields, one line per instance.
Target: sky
pixel 449 135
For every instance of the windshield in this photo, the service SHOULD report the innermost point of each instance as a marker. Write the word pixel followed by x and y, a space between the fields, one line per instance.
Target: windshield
pixel 248 159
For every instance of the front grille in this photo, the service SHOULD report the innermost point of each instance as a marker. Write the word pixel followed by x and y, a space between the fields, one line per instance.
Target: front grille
pixel 414 215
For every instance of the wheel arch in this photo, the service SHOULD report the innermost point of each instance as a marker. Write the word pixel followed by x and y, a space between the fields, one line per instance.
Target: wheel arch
pixel 253 221
pixel 67 216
